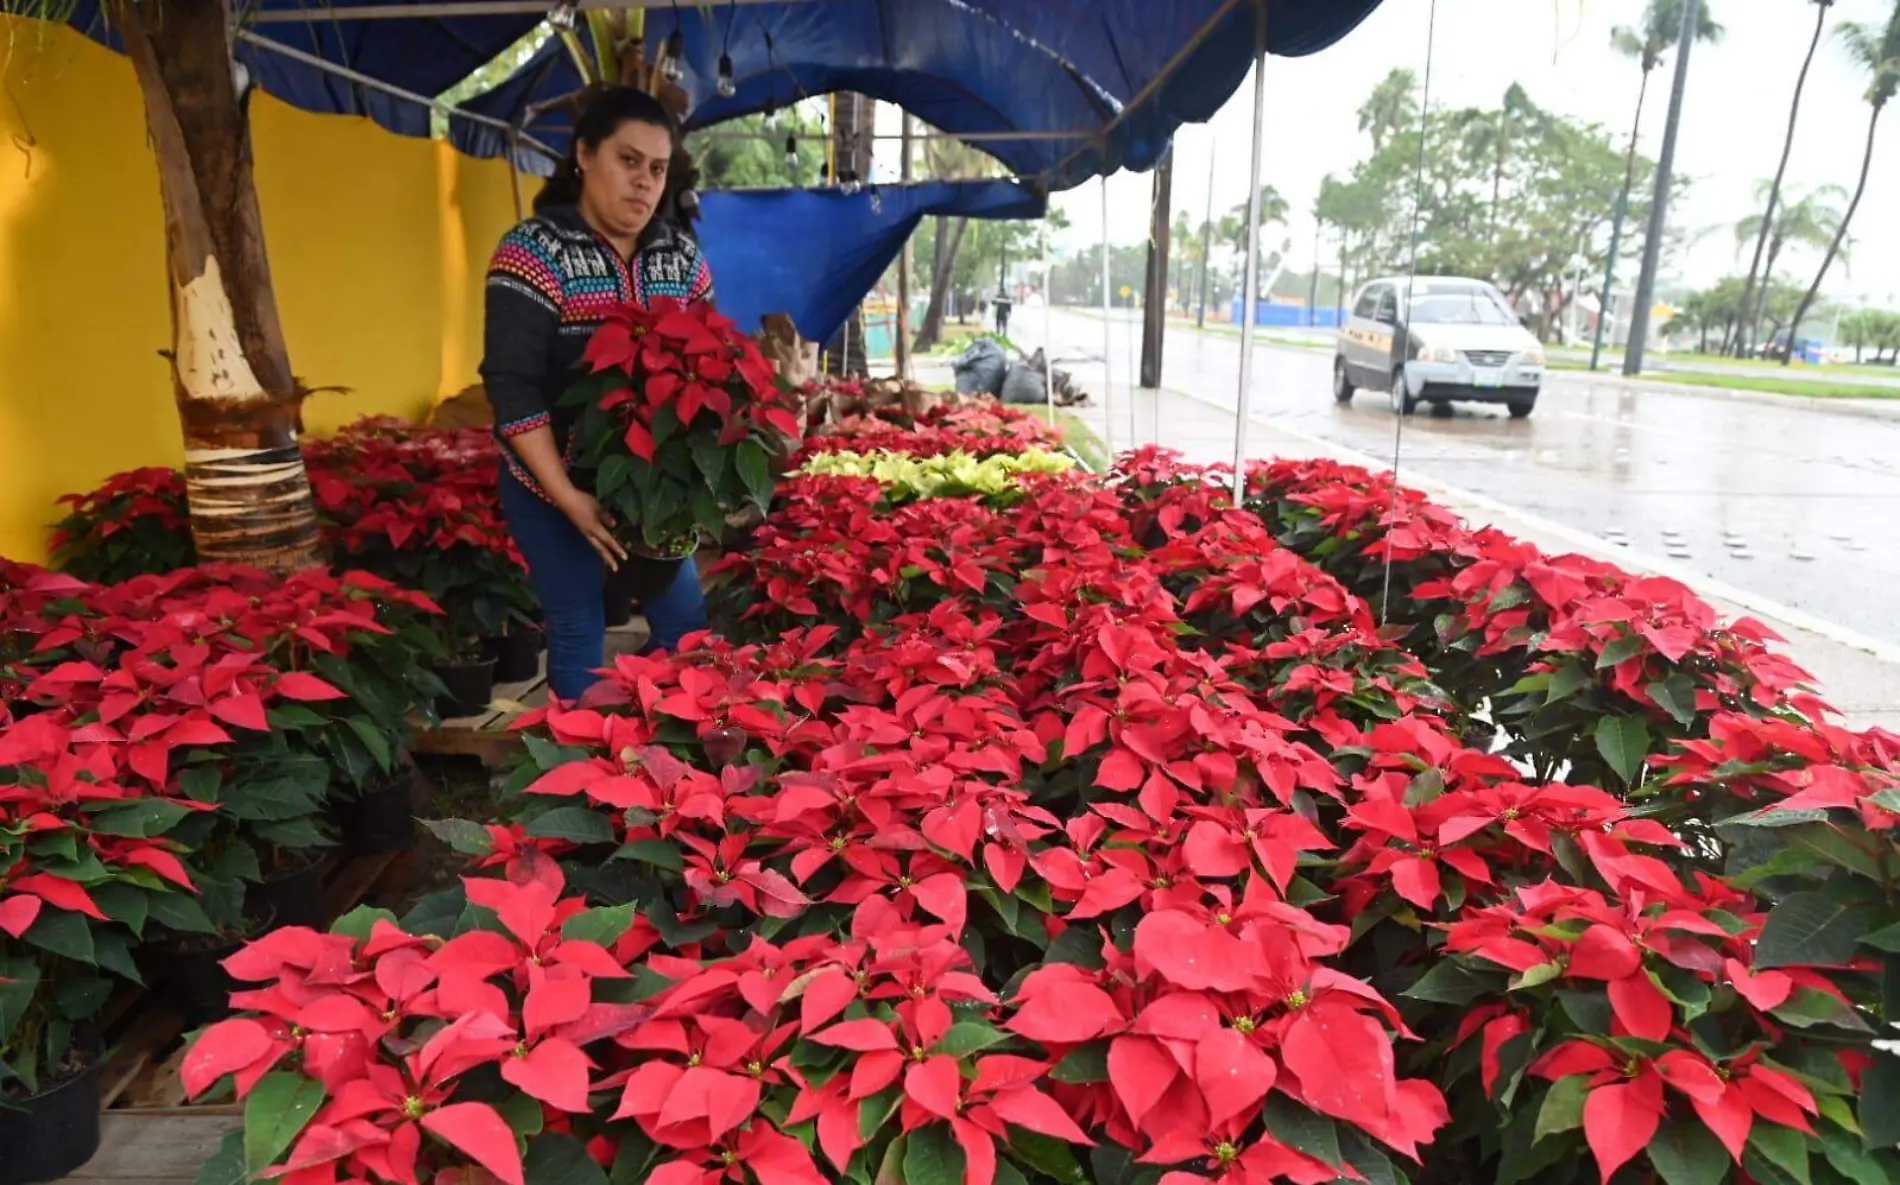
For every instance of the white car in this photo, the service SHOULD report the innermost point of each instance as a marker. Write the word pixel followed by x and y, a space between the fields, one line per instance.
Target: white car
pixel 1462 345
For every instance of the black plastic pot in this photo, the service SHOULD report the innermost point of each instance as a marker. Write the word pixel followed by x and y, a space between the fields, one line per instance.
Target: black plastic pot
pixel 188 974
pixel 470 686
pixel 517 656
pixel 54 1132
pixel 639 578
pixel 295 894
pixel 382 819
pixel 619 606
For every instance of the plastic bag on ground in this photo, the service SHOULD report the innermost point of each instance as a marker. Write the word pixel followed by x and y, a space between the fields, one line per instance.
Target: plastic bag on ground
pixel 981 368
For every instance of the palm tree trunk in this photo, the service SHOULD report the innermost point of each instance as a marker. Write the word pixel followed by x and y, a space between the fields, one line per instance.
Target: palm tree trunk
pixel 240 406
pixel 1840 236
pixel 853 123
pixel 1751 300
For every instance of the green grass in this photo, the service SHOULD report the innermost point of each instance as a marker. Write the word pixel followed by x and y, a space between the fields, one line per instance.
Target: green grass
pixel 955 342
pixel 1765 383
pixel 1766 366
pixel 1078 436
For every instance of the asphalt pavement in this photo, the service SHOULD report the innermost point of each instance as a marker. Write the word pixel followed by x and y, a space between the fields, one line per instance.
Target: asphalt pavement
pixel 1793 505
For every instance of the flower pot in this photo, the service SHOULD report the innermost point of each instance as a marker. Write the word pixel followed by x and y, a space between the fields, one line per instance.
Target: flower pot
pixel 294 895
pixel 517 656
pixel 382 819
pixel 619 605
pixel 644 577
pixel 187 972
pixel 54 1132
pixel 470 686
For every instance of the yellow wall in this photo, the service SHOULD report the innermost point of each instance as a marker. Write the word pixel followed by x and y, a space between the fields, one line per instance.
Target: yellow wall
pixel 377 246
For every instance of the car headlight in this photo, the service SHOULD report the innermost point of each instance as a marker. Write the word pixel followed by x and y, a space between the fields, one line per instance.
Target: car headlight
pixel 1534 356
pixel 1436 353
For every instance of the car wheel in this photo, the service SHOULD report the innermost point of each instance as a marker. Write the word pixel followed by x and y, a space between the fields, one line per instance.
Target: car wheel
pixel 1521 408
pixel 1441 409
pixel 1342 384
pixel 1403 401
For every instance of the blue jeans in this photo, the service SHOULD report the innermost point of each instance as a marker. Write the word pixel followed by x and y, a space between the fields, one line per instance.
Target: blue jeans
pixel 567 575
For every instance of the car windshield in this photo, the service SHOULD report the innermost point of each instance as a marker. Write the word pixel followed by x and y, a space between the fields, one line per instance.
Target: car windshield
pixel 1460 306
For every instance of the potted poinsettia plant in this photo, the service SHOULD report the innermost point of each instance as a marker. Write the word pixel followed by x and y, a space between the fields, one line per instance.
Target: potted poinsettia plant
pixel 681 423
pixel 132 525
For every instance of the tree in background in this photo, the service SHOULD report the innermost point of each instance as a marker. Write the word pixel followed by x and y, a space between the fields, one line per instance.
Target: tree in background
pixel 1766 219
pixel 946 160
pixel 1876 50
pixel 1510 194
pixel 853 130
pixel 1810 222
pixel 1393 105
pixel 750 152
pixel 1232 230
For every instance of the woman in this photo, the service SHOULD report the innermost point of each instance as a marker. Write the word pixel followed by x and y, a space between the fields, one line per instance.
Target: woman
pixel 593 243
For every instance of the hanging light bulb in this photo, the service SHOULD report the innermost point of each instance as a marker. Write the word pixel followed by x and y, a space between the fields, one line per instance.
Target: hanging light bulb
pixel 673 69
pixel 561 16
pixel 848 183
pixel 791 151
pixel 727 87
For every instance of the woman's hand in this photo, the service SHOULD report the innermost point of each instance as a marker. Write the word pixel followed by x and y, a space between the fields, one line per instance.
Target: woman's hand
pixel 595 525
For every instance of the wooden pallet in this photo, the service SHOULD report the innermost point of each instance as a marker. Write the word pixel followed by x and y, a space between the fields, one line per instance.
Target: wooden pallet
pixel 490 736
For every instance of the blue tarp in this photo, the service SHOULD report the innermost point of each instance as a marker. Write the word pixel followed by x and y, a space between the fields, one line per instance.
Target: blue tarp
pixel 814 253
pixel 1117 76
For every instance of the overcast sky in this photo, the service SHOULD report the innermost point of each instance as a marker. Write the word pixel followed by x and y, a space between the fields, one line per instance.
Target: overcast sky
pixel 1559 50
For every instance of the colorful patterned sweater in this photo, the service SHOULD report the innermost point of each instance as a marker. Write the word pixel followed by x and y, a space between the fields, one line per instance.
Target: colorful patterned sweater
pixel 550 285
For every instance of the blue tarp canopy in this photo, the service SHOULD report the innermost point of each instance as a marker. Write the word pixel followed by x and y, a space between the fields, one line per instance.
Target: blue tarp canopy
pixel 815 253
pixel 1107 82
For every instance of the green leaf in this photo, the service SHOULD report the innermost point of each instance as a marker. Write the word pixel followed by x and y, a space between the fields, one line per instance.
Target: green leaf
pixel 1686 1153
pixel 576 824
pixel 1563 1106
pixel 140 819
pixel 1084 1064
pixel 63 933
pixel 660 853
pixel 1448 983
pixel 1536 976
pixel 1783 1147
pixel 1566 681
pixel 1886 938
pixel 375 740
pixel 1810 929
pixel 710 457
pixel 1375 1167
pixel 602 926
pixel 276 1110
pixel 1889 799
pixel 1880 1102
pixel 755 470
pixel 470 839
pixel 1676 696
pixel 201 783
pixel 523 1115
pixel 615 472
pixel 1828 842
pixel 933 1157
pixel 123 903
pixel 1624 743
pixel 1047 1155
pixel 360 921
pixel 1850 1160
pixel 226 1166
pixel 970 1036
pixel 1620 650
pixel 1302 1130
pixel 1807 1008
pixel 555 1159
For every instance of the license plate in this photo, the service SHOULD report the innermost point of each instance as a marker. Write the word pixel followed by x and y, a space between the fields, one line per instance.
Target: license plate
pixel 1488 378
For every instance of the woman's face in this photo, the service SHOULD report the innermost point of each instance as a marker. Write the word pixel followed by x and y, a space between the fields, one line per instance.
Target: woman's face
pixel 623 177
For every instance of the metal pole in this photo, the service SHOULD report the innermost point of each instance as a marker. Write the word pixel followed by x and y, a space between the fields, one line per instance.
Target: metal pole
pixel 1659 208
pixel 1207 234
pixel 1048 326
pixel 1250 285
pixel 1312 287
pixel 1108 329
pixel 903 268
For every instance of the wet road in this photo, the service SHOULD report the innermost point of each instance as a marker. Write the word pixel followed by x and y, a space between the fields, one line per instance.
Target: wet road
pixel 1795 504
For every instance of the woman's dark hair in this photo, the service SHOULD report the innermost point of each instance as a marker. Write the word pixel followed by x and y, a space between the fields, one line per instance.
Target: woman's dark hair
pixel 602 113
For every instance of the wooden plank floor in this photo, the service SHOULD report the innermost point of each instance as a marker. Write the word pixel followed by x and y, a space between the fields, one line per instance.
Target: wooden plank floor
pixel 487 736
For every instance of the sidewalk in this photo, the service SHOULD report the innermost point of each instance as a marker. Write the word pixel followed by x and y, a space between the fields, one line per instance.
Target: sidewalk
pixel 1860 676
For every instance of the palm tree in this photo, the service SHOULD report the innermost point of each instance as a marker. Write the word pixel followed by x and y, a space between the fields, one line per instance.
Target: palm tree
pixel 946 160
pixel 1877 51
pixel 1392 107
pixel 1809 222
pixel 1646 45
pixel 1750 312
pixel 1233 227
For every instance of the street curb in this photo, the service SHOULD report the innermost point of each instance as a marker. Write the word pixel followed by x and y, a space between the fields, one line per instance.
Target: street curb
pixel 1867 410
pixel 1590 545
